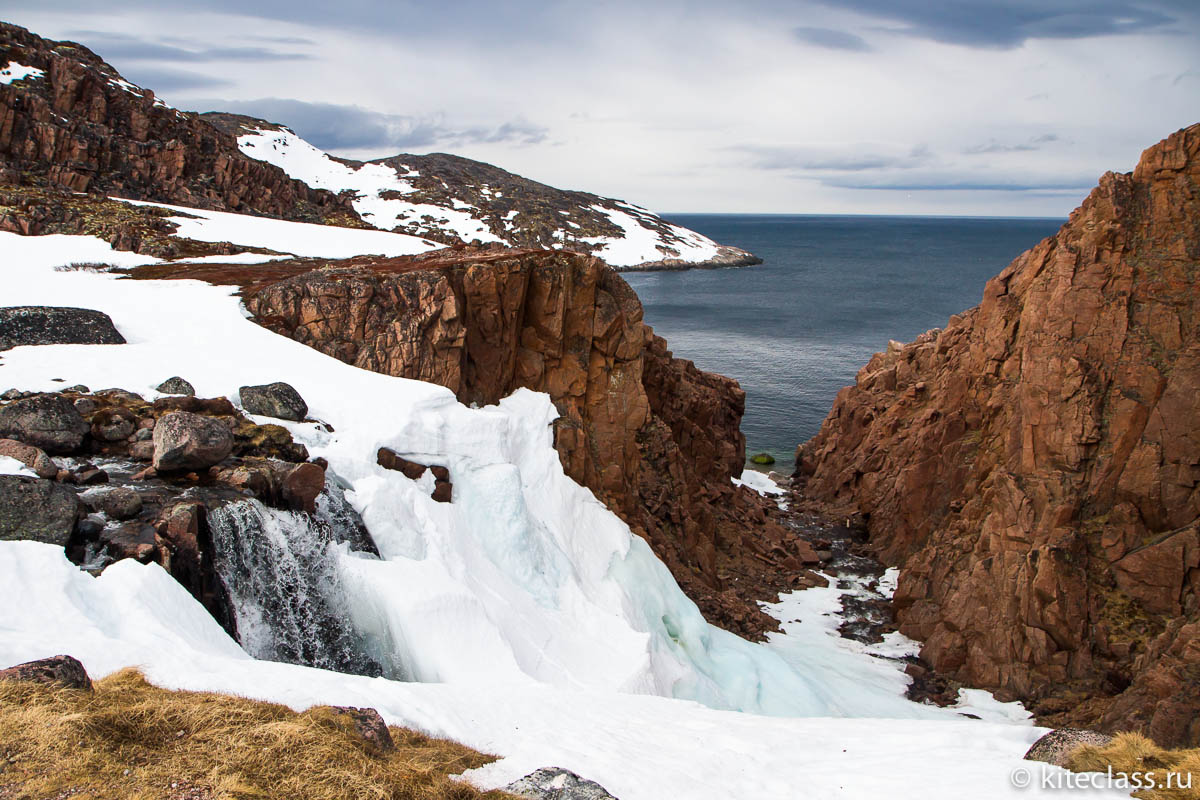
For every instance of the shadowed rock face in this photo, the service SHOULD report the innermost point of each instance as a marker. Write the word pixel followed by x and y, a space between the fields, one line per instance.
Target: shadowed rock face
pixel 1033 467
pixel 80 126
pixel 655 438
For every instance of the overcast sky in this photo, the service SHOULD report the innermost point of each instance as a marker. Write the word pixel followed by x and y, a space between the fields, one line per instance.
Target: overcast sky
pixel 979 107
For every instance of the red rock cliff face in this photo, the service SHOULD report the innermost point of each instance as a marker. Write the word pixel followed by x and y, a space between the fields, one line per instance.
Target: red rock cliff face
pixel 83 128
pixel 1033 467
pixel 655 438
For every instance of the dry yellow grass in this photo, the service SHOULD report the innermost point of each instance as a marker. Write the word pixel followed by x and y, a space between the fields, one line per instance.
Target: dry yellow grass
pixel 1132 753
pixel 134 741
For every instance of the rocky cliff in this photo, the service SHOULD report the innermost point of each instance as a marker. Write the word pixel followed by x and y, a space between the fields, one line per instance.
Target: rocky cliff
pixel 1033 467
pixel 71 121
pixel 655 438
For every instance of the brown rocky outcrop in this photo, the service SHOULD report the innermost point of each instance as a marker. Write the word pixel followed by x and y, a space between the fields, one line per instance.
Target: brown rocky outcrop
pixel 655 438
pixel 82 127
pixel 1033 467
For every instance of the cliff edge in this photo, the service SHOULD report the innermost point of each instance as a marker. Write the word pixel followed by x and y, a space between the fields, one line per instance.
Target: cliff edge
pixel 1033 467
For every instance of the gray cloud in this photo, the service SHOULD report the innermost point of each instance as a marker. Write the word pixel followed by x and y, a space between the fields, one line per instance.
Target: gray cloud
pixel 810 159
pixel 1010 23
pixel 993 146
pixel 833 39
pixel 124 48
pixel 161 80
pixel 953 183
pixel 338 127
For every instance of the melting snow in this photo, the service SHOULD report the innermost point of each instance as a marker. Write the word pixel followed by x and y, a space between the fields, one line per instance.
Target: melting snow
pixel 11 466
pixel 16 72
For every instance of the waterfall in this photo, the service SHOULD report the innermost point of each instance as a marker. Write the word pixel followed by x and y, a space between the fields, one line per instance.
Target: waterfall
pixel 280 570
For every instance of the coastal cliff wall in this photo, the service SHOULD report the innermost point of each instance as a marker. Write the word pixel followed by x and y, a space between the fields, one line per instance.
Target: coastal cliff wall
pixel 1033 467
pixel 82 127
pixel 655 438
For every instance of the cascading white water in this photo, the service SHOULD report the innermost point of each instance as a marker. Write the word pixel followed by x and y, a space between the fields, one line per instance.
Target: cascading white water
pixel 279 568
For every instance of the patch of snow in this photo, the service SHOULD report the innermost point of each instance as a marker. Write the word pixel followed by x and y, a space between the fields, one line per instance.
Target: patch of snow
pixel 297 238
pixel 368 182
pixel 11 466
pixel 121 83
pixel 759 482
pixel 232 258
pixel 640 244
pixel 17 72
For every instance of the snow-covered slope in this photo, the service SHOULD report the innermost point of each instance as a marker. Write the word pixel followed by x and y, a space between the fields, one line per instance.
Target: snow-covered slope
pixel 452 199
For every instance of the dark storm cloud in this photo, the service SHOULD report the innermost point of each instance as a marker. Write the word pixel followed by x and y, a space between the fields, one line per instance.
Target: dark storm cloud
pixel 337 127
pixel 833 39
pixel 124 48
pixel 1010 23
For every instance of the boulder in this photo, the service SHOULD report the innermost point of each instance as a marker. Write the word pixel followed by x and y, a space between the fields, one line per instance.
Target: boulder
pixel 177 385
pixel 48 421
pixel 277 400
pixel 368 726
pixel 1056 746
pixel 37 510
pixel 33 457
pixel 65 670
pixel 301 486
pixel 186 441
pixel 133 539
pixel 556 783
pixel 35 325
pixel 117 502
pixel 389 459
pixel 443 489
pixel 113 424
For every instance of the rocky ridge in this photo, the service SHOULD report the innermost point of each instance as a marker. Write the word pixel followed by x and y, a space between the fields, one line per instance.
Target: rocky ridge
pixel 1033 467
pixel 78 125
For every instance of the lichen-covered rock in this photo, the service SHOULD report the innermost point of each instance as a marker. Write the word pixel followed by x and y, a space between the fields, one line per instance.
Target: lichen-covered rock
pixel 186 441
pixel 113 424
pixel 556 783
pixel 278 400
pixel 33 457
pixel 1056 746
pixel 176 385
pixel 64 670
pixel 117 502
pixel 37 510
pixel 1034 467
pixel 48 421
pixel 36 325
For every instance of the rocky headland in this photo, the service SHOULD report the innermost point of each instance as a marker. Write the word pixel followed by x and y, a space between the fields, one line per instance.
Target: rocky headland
pixel 1032 468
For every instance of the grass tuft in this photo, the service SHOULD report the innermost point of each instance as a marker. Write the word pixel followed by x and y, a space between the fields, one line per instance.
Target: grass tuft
pixel 1132 754
pixel 130 739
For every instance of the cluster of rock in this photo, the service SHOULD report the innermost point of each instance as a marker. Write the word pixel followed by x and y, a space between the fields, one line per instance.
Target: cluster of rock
pixel 656 439
pixel 82 127
pixel 1034 468
pixel 116 476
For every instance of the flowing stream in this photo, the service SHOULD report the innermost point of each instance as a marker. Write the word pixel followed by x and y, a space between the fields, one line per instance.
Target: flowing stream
pixel 280 570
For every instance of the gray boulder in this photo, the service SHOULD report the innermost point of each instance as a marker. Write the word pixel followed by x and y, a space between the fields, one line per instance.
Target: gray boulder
pixel 186 441
pixel 277 400
pixel 177 385
pixel 33 325
pixel 556 783
pixel 37 510
pixel 118 502
pixel 33 457
pixel 56 669
pixel 48 421
pixel 1056 746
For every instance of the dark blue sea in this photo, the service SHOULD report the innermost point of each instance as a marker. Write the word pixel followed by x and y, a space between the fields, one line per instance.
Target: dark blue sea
pixel 832 291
